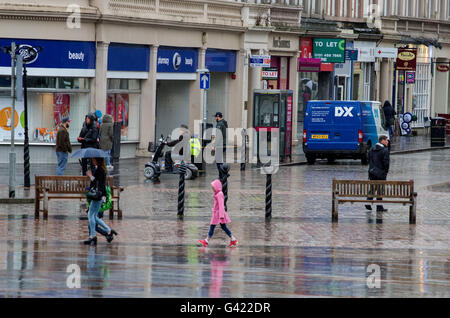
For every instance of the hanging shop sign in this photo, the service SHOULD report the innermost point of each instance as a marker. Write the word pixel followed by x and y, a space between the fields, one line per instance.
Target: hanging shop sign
pixel 407 59
pixel 329 50
pixel 386 52
pixel 443 68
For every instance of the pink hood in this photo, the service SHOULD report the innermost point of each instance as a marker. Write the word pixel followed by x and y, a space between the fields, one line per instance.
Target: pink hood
pixel 217 186
pixel 219 216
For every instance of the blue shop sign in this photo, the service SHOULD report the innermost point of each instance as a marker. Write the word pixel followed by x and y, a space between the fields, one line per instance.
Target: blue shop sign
pixel 177 60
pixel 128 57
pixel 55 54
pixel 221 60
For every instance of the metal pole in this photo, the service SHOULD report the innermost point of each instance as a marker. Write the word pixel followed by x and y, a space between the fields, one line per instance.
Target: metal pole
pixel 205 114
pixel 225 172
pixel 12 154
pixel 268 196
pixel 26 149
pixel 182 170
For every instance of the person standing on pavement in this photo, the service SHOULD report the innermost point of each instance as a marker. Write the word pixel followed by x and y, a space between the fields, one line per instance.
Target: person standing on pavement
pixel 379 161
pixel 106 137
pixel 63 146
pixel 98 182
pixel 220 144
pixel 219 216
pixel 389 115
pixel 88 138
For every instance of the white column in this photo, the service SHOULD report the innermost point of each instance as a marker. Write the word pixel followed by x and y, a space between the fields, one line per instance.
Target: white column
pixel 148 106
pixel 100 77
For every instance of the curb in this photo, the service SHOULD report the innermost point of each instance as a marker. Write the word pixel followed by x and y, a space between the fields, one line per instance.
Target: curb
pixel 16 201
pixel 400 152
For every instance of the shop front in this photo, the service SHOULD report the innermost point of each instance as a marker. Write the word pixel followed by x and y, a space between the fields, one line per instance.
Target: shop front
pixel 128 66
pixel 58 87
pixel 176 75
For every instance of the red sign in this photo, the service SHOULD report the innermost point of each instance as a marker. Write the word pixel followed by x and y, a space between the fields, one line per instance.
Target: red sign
pixel 443 68
pixel 288 125
pixel 407 59
pixel 61 108
pixel 327 67
pixel 306 48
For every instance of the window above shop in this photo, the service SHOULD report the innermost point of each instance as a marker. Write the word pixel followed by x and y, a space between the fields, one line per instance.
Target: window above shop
pixel 124 84
pixel 49 82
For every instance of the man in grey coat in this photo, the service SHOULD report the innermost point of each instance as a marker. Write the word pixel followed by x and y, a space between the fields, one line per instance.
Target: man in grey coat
pixel 106 137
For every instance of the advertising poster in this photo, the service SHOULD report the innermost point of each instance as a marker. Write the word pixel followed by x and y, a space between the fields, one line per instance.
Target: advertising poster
pixel 6 120
pixel 111 106
pixel 61 108
pixel 289 125
pixel 122 102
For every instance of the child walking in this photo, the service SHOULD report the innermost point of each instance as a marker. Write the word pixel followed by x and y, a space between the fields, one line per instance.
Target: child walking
pixel 219 216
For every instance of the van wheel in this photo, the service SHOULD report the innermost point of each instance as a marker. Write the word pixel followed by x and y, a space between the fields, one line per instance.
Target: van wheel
pixel 311 160
pixel 365 159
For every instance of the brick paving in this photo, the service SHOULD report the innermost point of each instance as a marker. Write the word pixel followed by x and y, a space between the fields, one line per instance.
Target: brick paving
pixel 298 253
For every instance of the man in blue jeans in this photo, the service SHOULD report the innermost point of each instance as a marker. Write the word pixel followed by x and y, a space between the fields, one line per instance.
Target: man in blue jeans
pixel 63 146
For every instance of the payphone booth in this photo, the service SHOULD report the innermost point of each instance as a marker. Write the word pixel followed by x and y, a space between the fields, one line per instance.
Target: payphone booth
pixel 273 109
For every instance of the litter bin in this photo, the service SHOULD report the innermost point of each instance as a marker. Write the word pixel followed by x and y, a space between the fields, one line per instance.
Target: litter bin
pixel 438 132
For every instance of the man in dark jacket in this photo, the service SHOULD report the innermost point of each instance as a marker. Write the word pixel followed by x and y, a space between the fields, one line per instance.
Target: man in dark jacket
pixel 88 138
pixel 106 137
pixel 379 166
pixel 220 143
pixel 389 115
pixel 63 146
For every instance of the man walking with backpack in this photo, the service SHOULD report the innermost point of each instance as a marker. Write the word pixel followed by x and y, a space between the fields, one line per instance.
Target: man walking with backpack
pixel 379 167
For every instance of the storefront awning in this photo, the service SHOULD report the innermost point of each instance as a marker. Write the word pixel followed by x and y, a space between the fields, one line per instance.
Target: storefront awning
pixel 406 39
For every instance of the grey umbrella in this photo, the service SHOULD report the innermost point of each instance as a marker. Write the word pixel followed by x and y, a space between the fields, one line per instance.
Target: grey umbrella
pixel 89 153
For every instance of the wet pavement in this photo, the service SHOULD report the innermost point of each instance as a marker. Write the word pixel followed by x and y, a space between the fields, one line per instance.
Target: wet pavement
pixel 299 253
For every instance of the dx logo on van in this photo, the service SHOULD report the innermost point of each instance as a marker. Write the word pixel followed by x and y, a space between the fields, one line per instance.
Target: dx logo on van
pixel 343 111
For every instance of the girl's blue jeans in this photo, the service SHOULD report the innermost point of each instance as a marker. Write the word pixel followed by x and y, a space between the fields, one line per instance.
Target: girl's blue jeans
pixel 94 219
pixel 223 226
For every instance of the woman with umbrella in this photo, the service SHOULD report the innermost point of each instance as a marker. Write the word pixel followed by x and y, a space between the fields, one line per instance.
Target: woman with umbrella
pixel 97 192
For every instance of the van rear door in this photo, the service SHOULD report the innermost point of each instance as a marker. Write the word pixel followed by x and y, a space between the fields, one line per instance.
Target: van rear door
pixel 346 125
pixel 333 125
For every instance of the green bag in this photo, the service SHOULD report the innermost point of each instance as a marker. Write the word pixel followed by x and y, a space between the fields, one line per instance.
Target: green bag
pixel 107 205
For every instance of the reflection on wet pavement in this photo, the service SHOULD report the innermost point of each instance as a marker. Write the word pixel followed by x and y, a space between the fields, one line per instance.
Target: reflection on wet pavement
pixel 39 269
pixel 298 253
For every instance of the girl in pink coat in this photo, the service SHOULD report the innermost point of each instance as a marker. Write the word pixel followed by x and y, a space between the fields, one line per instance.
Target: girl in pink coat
pixel 219 216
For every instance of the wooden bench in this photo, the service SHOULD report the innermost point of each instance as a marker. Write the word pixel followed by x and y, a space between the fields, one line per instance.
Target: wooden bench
pixel 357 191
pixel 69 187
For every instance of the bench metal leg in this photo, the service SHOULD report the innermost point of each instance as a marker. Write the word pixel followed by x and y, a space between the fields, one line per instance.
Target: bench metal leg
pixel 45 204
pixel 412 210
pixel 335 208
pixel 36 206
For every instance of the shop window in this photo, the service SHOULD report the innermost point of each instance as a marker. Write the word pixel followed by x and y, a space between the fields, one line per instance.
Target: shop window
pixel 123 104
pixel 50 99
pixel 308 89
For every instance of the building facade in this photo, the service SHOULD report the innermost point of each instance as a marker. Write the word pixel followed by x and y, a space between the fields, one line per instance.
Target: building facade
pixel 138 59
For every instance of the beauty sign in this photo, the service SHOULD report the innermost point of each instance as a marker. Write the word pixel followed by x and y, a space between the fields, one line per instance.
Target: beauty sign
pixel 407 59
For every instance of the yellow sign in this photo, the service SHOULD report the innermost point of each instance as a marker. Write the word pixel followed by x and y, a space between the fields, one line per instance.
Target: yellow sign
pixel 406 56
pixel 319 136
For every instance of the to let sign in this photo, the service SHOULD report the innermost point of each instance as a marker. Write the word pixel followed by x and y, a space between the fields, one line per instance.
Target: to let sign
pixel 329 50
pixel 269 74
pixel 407 59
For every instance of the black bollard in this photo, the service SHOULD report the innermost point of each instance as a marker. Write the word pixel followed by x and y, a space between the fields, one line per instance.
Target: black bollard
pixel 268 196
pixel 182 168
pixel 225 171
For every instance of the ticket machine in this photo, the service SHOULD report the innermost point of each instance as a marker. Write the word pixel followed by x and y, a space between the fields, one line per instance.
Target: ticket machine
pixel 273 109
